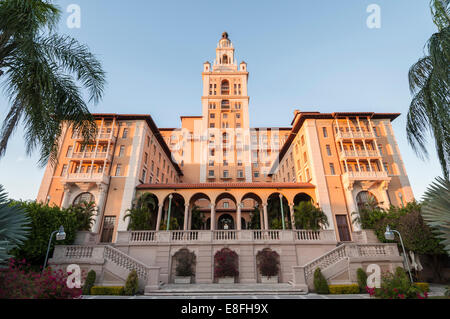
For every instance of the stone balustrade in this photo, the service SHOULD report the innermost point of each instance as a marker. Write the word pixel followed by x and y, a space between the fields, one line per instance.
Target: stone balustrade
pixel 237 236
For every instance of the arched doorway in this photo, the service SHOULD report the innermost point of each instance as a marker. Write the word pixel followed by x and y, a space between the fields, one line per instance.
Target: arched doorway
pixel 252 214
pixel 199 211
pixel 366 199
pixel 225 222
pixel 84 198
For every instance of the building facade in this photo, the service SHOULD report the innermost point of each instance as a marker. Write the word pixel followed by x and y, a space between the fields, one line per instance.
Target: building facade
pixel 244 182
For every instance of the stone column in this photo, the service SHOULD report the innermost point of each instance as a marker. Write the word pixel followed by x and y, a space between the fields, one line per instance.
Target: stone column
pixel 158 220
pixel 66 198
pixel 238 217
pixel 261 219
pixel 291 210
pixel 100 207
pixel 213 217
pixel 186 216
pixel 266 219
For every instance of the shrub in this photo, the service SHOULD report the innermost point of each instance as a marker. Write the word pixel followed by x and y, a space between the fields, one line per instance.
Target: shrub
pixel 268 262
pixel 90 280
pixel 107 290
pixel 84 214
pixel 226 263
pixel 320 283
pixel 44 220
pixel 132 284
pixel 397 286
pixel 362 279
pixel 423 286
pixel 344 289
pixel 19 281
pixel 185 263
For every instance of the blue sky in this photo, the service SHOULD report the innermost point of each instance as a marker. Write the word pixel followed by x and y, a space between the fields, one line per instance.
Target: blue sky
pixel 308 55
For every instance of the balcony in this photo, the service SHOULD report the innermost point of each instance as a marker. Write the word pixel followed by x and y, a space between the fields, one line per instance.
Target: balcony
pixel 102 135
pixel 101 156
pixel 358 135
pixel 359 153
pixel 374 175
pixel 86 178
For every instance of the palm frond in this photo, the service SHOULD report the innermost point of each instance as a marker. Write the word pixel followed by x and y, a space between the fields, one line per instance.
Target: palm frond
pixel 436 209
pixel 13 225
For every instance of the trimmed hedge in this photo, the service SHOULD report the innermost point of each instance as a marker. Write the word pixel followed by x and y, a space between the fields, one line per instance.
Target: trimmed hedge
pixel 89 283
pixel 424 286
pixel 107 290
pixel 344 289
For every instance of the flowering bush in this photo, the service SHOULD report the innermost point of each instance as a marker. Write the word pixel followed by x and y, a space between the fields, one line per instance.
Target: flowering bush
pixel 268 262
pixel 226 263
pixel 397 286
pixel 18 281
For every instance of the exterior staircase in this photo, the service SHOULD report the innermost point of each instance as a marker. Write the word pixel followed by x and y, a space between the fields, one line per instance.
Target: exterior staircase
pixel 340 264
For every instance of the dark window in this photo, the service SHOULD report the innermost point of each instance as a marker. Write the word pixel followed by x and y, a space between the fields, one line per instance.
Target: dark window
pixel 342 225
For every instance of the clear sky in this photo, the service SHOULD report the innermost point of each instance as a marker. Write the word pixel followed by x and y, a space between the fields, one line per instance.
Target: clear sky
pixel 311 55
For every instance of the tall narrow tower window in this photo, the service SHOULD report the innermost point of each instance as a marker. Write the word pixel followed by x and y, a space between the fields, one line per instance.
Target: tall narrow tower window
pixel 224 59
pixel 225 87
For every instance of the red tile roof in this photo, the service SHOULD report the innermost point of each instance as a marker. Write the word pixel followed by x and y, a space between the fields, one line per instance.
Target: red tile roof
pixel 225 185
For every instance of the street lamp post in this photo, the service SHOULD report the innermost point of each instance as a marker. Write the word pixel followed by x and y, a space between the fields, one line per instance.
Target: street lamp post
pixel 389 235
pixel 60 235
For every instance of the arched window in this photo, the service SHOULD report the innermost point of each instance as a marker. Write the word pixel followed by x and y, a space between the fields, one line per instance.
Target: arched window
pixel 224 59
pixel 364 198
pixel 225 87
pixel 225 104
pixel 84 197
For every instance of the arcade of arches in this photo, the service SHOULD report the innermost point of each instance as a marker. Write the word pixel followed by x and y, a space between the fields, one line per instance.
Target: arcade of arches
pixel 233 207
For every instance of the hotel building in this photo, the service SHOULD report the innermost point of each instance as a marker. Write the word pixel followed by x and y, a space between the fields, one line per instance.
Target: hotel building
pixel 218 165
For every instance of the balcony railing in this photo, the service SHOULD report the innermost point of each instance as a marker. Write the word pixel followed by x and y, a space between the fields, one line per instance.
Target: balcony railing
pixel 86 177
pixel 359 153
pixel 101 135
pixel 366 175
pixel 348 135
pixel 91 155
pixel 207 236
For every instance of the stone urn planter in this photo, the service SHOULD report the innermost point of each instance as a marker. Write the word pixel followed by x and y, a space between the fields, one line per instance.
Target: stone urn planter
pixel 269 280
pixel 183 279
pixel 226 280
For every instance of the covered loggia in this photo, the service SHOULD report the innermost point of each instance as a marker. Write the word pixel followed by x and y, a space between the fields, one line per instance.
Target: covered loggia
pixel 199 212
pixel 278 212
pixel 252 212
pixel 225 210
pixel 173 212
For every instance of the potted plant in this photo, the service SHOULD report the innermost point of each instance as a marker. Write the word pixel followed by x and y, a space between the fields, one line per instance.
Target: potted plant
pixel 226 266
pixel 185 264
pixel 268 266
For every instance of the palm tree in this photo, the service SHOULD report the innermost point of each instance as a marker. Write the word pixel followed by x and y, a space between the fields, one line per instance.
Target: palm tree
pixel 84 213
pixel 142 214
pixel 42 73
pixel 13 226
pixel 198 218
pixel 429 81
pixel 436 209
pixel 308 216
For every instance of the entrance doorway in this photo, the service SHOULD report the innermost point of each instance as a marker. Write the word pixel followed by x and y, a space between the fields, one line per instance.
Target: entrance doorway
pixel 343 229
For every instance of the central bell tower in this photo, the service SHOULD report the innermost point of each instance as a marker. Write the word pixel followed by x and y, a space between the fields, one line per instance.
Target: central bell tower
pixel 225 117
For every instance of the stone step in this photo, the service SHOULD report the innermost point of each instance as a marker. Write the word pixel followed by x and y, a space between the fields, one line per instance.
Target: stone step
pixel 225 289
